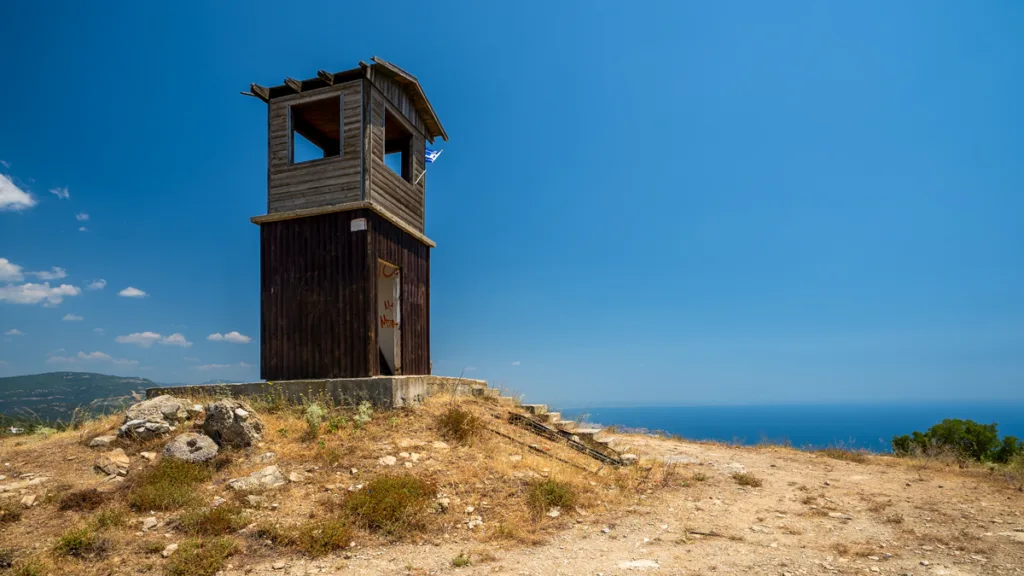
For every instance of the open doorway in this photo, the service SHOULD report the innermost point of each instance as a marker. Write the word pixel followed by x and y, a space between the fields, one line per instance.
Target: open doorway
pixel 389 326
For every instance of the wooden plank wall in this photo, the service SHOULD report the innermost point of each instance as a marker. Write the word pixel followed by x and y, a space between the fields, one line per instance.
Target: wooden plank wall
pixel 325 182
pixel 398 97
pixel 316 303
pixel 393 245
pixel 386 188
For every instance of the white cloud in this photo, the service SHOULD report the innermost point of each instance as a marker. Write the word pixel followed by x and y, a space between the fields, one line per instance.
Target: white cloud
pixel 13 198
pixel 61 360
pixel 140 339
pixel 60 192
pixel 516 363
pixel 132 292
pixel 233 337
pixel 10 272
pixel 97 284
pixel 98 330
pixel 95 356
pixel 147 339
pixel 176 340
pixel 55 273
pixel 223 366
pixel 72 317
pixel 91 357
pixel 81 216
pixel 36 293
pixel 14 332
pixel 83 229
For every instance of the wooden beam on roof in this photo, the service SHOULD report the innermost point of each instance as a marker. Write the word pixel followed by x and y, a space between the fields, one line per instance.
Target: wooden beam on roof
pixel 325 76
pixel 293 84
pixel 260 92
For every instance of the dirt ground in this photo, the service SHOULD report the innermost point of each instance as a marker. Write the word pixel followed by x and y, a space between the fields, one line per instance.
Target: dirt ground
pixel 812 514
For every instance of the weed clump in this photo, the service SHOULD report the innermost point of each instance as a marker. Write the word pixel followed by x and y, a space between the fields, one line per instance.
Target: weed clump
pixel 114 517
pixel 170 485
pixel 392 505
pixel 838 453
pixel 314 415
pixel 81 543
pixel 83 500
pixel 542 495
pixel 461 560
pixel 458 425
pixel 201 557
pixel 30 568
pixel 747 479
pixel 9 513
pixel 213 521
pixel 315 538
pixel 364 414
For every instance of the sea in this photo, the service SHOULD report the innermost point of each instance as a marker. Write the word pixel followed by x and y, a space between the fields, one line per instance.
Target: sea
pixel 854 426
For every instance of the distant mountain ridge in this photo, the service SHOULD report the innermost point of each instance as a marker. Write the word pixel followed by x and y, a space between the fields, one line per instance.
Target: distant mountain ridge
pixel 55 396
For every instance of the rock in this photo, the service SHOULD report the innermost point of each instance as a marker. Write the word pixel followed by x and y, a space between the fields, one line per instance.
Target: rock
pixel 297 477
pixel 415 456
pixel 554 513
pixel 639 565
pixel 28 501
pixel 114 463
pixel 266 457
pixel 734 468
pixel 606 530
pixel 165 406
pixel 101 441
pixel 469 509
pixel 218 501
pixel 191 447
pixel 269 477
pixel 170 549
pixel 515 457
pixel 145 429
pixel 22 484
pixel 629 459
pixel 925 563
pixel 149 523
pixel 407 464
pixel 279 565
pixel 255 501
pixel 474 522
pixel 388 460
pixel 109 484
pixel 194 410
pixel 148 455
pixel 443 504
pixel 438 445
pixel 231 422
pixel 407 443
pixel 840 516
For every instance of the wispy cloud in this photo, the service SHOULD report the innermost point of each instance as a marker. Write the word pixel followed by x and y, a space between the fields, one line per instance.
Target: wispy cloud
pixel 233 337
pixel 14 332
pixel 55 273
pixel 95 356
pixel 89 357
pixel 60 192
pixel 72 318
pixel 98 330
pixel 10 272
pixel 97 284
pixel 36 293
pixel 13 198
pixel 83 229
pixel 147 339
pixel 516 363
pixel 132 292
pixel 81 216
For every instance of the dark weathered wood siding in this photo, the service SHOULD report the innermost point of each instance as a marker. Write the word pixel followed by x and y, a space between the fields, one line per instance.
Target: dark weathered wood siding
pixel 403 199
pixel 318 296
pixel 397 96
pixel 316 305
pixel 332 180
pixel 391 244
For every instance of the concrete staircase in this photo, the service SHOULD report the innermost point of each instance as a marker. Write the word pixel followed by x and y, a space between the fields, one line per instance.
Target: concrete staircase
pixel 550 424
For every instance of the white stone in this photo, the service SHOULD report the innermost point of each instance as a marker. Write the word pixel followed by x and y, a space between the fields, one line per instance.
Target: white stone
pixel 170 549
pixel 28 501
pixel 269 477
pixel 149 523
pixel 639 565
pixel 388 460
pixel 101 441
pixel 554 513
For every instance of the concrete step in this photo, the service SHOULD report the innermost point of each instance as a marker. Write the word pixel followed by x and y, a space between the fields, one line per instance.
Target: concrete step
pixel 536 409
pixel 591 432
pixel 550 417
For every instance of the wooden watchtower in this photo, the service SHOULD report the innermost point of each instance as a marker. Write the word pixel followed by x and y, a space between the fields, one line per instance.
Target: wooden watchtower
pixel 344 262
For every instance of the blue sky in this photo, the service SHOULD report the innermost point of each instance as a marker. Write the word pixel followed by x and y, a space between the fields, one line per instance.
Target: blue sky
pixel 666 203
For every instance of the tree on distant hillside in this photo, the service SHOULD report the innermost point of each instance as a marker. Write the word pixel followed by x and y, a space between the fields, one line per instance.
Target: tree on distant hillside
pixel 966 438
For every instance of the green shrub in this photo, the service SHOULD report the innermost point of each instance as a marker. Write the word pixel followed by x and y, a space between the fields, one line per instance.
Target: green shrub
pixel 364 414
pixel 316 538
pixel 29 568
pixel 314 415
pixel 110 518
pixel 218 521
pixel 82 500
pixel 461 560
pixel 965 438
pixel 170 485
pixel 391 505
pixel 543 495
pixel 458 425
pixel 80 542
pixel 201 557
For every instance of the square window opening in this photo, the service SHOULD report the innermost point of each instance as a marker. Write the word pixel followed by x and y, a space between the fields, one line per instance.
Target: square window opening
pixel 397 146
pixel 316 129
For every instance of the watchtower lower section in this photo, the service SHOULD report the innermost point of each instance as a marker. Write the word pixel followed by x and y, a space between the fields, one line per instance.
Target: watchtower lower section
pixel 319 309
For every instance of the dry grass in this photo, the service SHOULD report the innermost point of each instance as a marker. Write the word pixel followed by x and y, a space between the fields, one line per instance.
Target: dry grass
pixel 315 538
pixel 543 495
pixel 747 479
pixel 458 425
pixel 82 500
pixel 877 506
pixel 9 512
pixel 218 521
pixel 108 518
pixel 170 485
pixel 838 453
pixel 198 557
pixel 853 549
pixel 393 505
pixel 82 542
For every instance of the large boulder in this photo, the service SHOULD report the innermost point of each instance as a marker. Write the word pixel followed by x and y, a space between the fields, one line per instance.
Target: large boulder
pixel 232 423
pixel 154 417
pixel 191 447
pixel 269 477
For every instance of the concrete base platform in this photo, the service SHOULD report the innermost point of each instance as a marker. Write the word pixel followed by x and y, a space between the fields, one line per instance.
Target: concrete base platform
pixel 381 391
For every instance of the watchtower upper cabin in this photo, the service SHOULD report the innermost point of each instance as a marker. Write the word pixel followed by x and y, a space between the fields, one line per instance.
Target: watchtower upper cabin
pixel 344 263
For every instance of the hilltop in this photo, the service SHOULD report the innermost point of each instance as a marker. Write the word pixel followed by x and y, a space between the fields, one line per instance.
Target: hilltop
pixel 485 502
pixel 57 395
